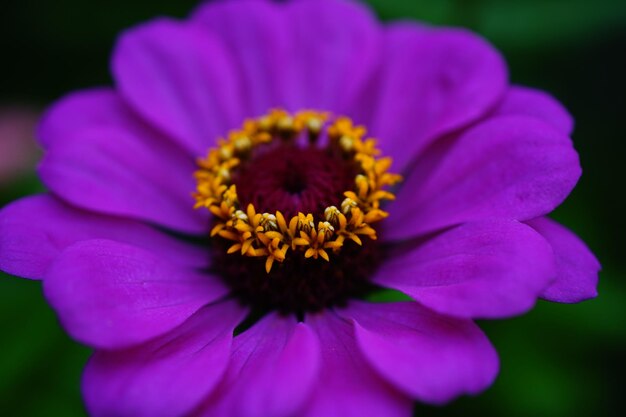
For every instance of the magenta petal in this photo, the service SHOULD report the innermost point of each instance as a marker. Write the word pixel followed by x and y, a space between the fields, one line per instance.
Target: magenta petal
pixel 347 385
pixel 538 104
pixel 431 357
pixel 334 52
pixel 35 230
pixel 432 82
pixel 486 269
pixel 116 169
pixel 112 295
pixel 576 267
pixel 181 80
pixel 168 376
pixel 515 167
pixel 256 36
pixel 273 369
pixel 86 110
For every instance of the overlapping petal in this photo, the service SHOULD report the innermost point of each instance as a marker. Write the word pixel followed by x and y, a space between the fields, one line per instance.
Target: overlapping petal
pixel 257 38
pixel 347 385
pixel 430 357
pixel 35 230
pixel 308 54
pixel 273 369
pixel 112 295
pixel 485 269
pixel 168 376
pixel 432 81
pixel 526 101
pixel 112 163
pixel 181 80
pixel 513 167
pixel 576 267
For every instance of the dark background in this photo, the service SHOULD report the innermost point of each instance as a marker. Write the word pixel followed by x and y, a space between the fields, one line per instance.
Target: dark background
pixel 558 360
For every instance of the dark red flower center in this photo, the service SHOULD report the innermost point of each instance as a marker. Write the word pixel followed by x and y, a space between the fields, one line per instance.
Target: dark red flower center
pixel 292 217
pixel 292 180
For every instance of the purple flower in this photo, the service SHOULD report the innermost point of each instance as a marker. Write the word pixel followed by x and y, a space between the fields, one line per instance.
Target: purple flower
pixel 128 264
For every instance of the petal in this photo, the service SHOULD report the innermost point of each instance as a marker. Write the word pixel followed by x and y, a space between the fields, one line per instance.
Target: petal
pixel 486 269
pixel 257 38
pixel 514 167
pixel 429 356
pixel 432 81
pixel 334 51
pixel 347 386
pixel 576 267
pixel 86 110
pixel 538 104
pixel 168 376
pixel 273 369
pixel 111 163
pixel 181 80
pixel 112 295
pixel 307 54
pixel 35 230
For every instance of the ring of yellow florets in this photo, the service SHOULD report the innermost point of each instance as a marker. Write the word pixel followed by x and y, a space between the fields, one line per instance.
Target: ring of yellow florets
pixel 272 235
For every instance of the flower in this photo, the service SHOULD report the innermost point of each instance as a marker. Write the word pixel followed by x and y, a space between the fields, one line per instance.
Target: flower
pixel 17 144
pixel 282 325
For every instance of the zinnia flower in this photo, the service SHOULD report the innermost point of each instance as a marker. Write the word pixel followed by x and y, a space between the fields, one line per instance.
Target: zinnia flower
pixel 257 301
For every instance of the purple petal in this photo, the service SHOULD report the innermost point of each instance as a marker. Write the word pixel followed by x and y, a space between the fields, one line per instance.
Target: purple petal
pixel 257 37
pixel 181 80
pixel 168 376
pixel 514 167
pixel 86 110
pixel 486 269
pixel 347 386
pixel 433 81
pixel 429 356
pixel 576 267
pixel 307 54
pixel 334 51
pixel 112 295
pixel 35 230
pixel 538 104
pixel 273 368
pixel 111 163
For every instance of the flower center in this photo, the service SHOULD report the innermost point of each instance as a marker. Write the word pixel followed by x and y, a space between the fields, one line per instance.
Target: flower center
pixel 295 199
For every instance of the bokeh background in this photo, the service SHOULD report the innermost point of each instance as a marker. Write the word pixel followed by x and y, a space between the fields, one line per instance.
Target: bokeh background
pixel 558 360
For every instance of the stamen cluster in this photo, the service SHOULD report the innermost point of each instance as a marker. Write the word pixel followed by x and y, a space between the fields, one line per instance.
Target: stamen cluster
pixel 272 235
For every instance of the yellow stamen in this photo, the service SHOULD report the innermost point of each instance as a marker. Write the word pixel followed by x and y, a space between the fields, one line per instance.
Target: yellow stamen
pixel 272 235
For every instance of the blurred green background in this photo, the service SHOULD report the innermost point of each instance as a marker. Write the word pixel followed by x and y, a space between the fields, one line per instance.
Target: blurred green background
pixel 558 360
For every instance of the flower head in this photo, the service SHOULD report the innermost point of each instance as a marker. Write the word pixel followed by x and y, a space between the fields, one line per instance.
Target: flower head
pixel 218 221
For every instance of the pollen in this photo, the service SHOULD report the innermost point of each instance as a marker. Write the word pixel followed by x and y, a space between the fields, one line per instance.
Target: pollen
pixel 274 235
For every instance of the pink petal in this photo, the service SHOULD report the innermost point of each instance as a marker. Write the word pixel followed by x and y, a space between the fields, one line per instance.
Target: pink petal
pixel 112 295
pixel 487 269
pixel 431 357
pixel 168 376
pixel 576 267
